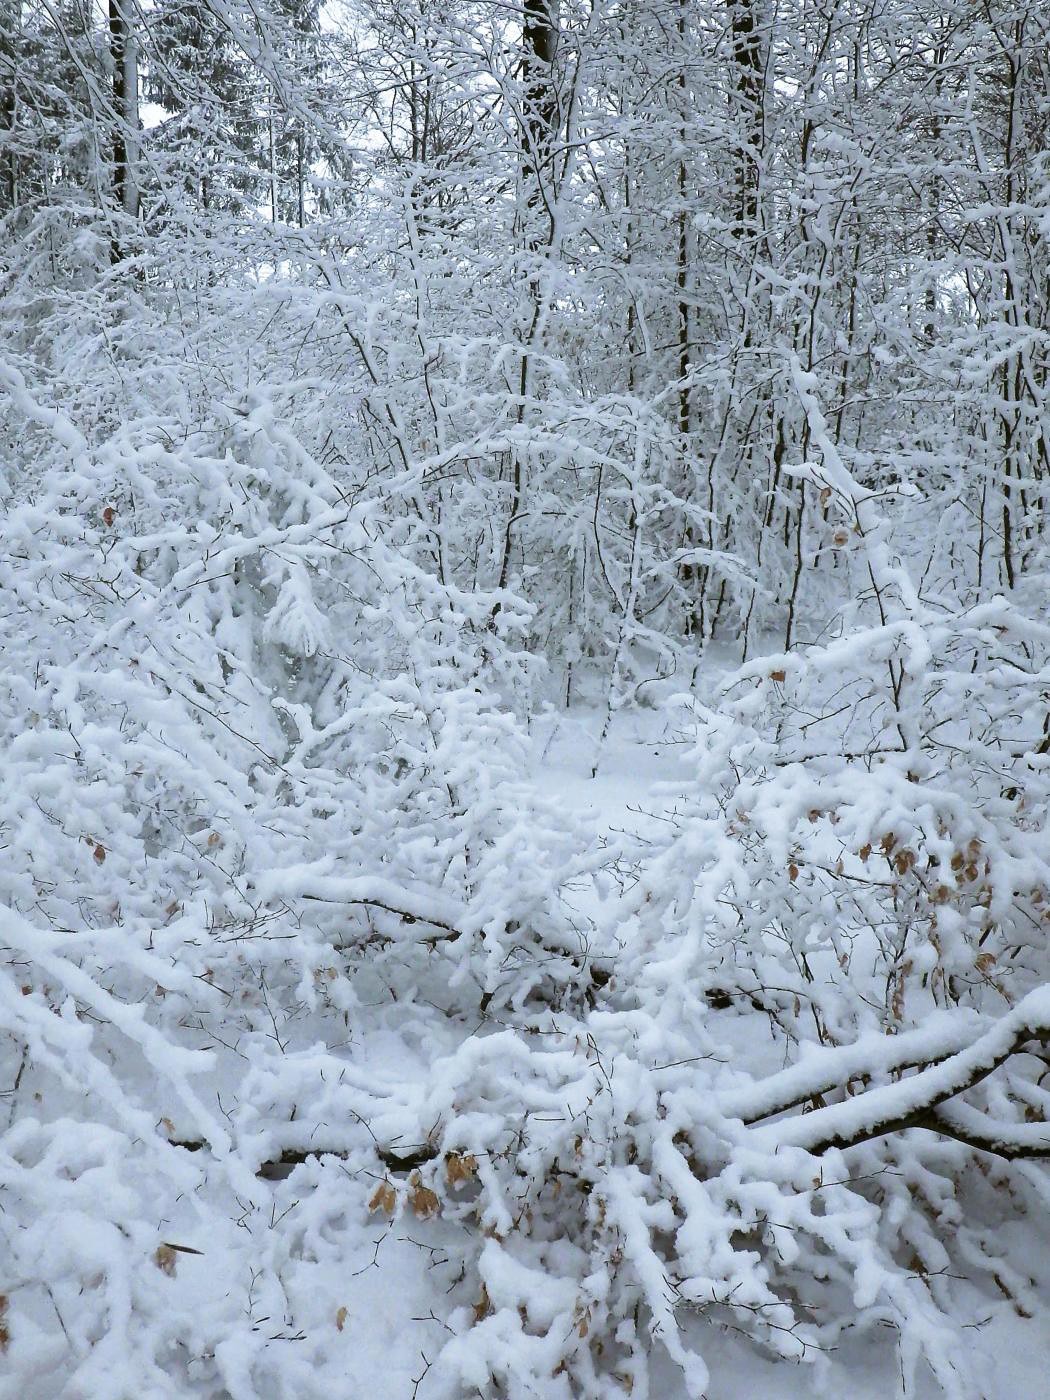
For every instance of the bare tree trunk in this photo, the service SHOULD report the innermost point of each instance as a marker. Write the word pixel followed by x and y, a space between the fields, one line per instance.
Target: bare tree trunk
pixel 540 99
pixel 749 85
pixel 541 119
pixel 124 55
pixel 9 57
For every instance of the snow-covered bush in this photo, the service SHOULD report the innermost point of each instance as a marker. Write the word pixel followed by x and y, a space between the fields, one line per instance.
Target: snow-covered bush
pixel 846 917
pixel 394 363
pixel 250 748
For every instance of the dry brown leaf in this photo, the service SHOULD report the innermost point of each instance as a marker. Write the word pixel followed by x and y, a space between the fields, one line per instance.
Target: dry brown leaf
pixel 384 1198
pixel 483 1307
pixel 340 1319
pixel 423 1201
pixel 459 1169
pixel 5 1331
pixel 778 675
pixel 100 854
pixel 165 1259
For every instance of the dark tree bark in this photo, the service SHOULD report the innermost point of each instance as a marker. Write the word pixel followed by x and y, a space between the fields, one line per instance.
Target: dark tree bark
pixel 9 58
pixel 747 97
pixel 540 99
pixel 124 57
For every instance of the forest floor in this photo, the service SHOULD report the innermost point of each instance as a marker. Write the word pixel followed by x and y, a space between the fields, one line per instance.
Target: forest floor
pixel 638 768
pixel 395 1286
pixel 369 1308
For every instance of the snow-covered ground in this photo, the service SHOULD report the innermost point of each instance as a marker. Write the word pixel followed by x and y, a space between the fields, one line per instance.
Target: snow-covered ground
pixel 340 1300
pixel 638 768
pixel 393 1283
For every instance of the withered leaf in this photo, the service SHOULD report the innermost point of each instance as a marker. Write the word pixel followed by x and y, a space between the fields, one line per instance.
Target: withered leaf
pixel 423 1201
pixel 384 1198
pixel 165 1259
pixel 483 1307
pixel 460 1168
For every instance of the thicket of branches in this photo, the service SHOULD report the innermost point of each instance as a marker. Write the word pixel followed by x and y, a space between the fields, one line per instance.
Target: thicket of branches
pixel 373 375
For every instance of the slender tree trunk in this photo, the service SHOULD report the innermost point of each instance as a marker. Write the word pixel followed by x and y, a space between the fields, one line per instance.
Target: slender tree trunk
pixel 9 58
pixel 124 56
pixel 540 111
pixel 539 97
pixel 749 85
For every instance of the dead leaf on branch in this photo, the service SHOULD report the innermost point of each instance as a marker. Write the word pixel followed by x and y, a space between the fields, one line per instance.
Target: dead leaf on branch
pixel 460 1169
pixel 483 1307
pixel 582 1320
pixel 384 1198
pixel 165 1259
pixel 423 1201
